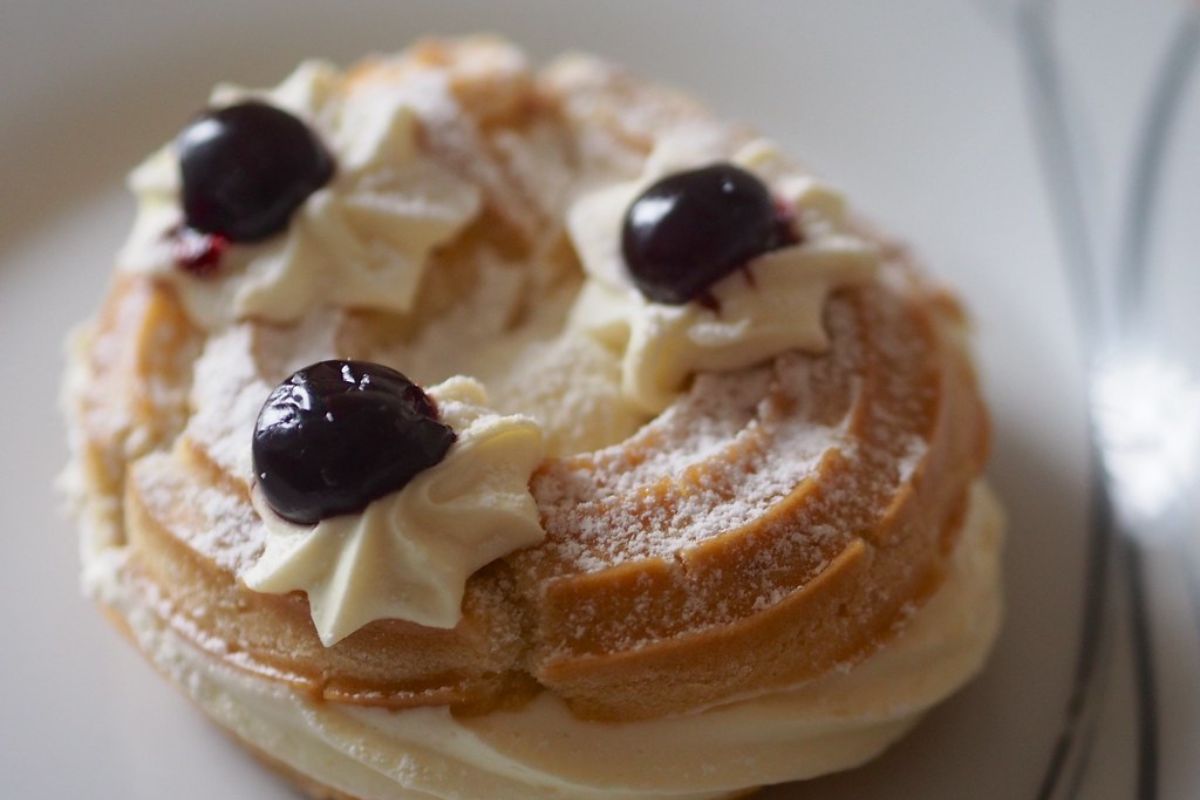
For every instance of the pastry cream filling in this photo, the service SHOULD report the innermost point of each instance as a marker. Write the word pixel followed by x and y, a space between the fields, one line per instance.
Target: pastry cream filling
pixel 408 554
pixel 775 304
pixel 361 241
pixel 542 751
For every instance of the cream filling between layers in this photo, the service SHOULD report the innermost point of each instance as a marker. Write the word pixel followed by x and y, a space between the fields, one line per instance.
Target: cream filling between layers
pixel 541 751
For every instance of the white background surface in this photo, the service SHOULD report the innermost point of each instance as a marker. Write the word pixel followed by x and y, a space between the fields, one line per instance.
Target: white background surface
pixel 915 108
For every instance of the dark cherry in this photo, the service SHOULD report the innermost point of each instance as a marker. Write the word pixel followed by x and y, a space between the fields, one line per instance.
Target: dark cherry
pixel 247 168
pixel 339 434
pixel 690 229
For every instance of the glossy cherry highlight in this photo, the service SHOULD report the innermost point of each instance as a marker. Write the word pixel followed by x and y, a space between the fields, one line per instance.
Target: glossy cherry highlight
pixel 247 168
pixel 338 434
pixel 690 229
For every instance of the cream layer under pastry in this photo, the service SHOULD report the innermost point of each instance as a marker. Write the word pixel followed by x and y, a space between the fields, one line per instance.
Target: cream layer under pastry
pixel 453 429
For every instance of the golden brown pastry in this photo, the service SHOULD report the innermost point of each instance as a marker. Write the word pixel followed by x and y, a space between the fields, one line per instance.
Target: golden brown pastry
pixel 513 434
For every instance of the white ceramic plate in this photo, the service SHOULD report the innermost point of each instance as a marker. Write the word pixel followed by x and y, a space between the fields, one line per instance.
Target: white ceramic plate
pixel 1001 138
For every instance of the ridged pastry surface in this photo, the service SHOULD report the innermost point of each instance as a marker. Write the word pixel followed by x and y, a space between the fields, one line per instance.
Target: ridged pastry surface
pixel 776 525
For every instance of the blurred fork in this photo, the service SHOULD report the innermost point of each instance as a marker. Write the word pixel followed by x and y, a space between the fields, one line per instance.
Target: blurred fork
pixel 1144 405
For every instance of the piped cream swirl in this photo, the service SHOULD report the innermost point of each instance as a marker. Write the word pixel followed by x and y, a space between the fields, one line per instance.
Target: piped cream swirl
pixel 408 554
pixel 774 305
pixel 362 241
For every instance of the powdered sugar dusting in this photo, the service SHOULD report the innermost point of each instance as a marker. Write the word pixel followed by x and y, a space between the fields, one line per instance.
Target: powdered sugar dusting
pixel 828 437
pixel 738 444
pixel 733 447
pixel 234 375
pixel 227 395
pixel 218 522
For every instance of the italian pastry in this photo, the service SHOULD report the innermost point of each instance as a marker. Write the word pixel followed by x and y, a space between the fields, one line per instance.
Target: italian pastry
pixel 455 429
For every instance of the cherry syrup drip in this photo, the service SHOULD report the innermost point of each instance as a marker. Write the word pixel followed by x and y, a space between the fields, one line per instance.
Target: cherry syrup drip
pixel 197 253
pixel 787 226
